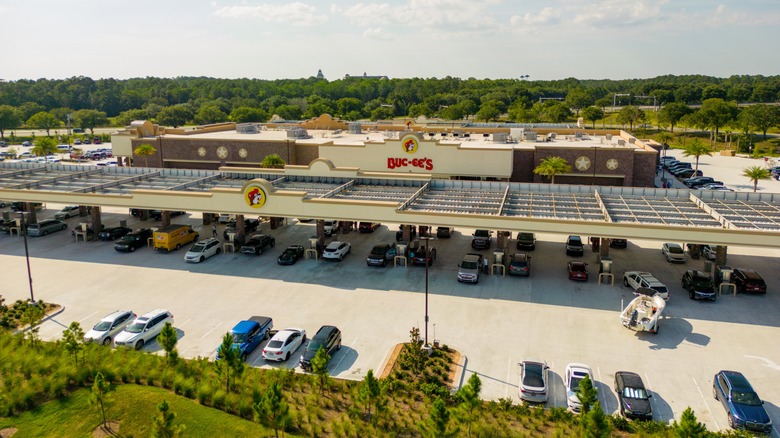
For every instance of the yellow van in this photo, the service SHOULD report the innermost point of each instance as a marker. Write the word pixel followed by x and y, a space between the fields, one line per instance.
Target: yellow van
pixel 173 237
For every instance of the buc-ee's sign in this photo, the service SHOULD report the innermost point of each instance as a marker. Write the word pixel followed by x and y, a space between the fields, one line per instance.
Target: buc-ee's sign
pixel 410 144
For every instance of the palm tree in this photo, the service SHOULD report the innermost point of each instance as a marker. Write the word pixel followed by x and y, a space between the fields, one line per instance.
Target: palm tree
pixel 145 150
pixel 664 138
pixel 44 146
pixel 696 149
pixel 552 166
pixel 755 173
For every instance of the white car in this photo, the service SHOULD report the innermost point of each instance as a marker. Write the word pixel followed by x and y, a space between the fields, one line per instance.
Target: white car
pixel 673 252
pixel 533 381
pixel 67 212
pixel 284 343
pixel 575 372
pixel 336 250
pixel 105 330
pixel 145 328
pixel 640 279
pixel 708 252
pixel 202 250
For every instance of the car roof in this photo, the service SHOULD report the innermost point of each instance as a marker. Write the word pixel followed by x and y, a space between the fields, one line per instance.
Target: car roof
pixel 324 331
pixel 285 333
pixel 630 379
pixel 737 380
pixel 152 313
pixel 334 244
pixel 114 315
pixel 579 367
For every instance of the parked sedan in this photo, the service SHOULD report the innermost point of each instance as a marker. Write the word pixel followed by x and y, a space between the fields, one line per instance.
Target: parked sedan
pixel 444 232
pixel 380 254
pixel 250 226
pixel 578 271
pixel 533 381
pixel 292 254
pixel 520 264
pixel 336 250
pixel 744 408
pixel 575 372
pixel 699 285
pixel 284 343
pixel 673 252
pixel 107 328
pixel 131 242
pixel 328 338
pixel 633 398
pixel 202 250
pixel 113 233
pixel 67 212
pixel 419 257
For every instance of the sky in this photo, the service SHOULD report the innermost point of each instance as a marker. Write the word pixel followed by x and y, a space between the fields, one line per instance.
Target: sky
pixel 483 39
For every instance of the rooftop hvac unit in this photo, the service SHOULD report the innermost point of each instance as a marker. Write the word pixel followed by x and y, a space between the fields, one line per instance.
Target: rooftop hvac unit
pixel 621 142
pixel 499 137
pixel 246 128
pixel 355 128
pixel 297 133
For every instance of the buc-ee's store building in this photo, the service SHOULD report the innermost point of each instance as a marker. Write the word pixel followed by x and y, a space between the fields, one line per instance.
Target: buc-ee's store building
pixel 607 158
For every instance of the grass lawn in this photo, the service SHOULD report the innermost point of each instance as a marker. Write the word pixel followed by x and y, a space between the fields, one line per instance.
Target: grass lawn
pixel 133 406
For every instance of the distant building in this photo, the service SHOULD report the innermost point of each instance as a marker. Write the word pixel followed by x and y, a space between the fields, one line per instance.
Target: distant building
pixel 320 75
pixel 365 76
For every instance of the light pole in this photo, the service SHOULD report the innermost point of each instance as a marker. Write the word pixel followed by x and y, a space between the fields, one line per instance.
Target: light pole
pixel 427 262
pixel 593 181
pixel 23 230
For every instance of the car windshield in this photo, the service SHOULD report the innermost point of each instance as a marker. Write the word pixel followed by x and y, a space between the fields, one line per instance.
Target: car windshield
pixel 482 233
pixel 315 344
pixel 638 393
pixel 275 344
pixel 102 326
pixel 378 250
pixel 239 338
pixel 745 398
pixel 675 250
pixel 533 375
pixel 574 385
pixel 288 253
pixel 660 289
pixel 469 265
pixel 198 247
pixel 575 241
pixel 136 327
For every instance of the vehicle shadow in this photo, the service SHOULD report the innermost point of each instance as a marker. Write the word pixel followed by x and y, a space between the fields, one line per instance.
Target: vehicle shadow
pixel 607 399
pixel 662 411
pixel 671 333
pixel 342 360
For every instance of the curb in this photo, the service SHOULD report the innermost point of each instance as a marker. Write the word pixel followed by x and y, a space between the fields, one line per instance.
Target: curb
pixel 457 381
pixel 45 318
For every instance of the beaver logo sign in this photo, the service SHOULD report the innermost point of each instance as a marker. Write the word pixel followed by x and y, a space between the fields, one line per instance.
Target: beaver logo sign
pixel 410 144
pixel 254 196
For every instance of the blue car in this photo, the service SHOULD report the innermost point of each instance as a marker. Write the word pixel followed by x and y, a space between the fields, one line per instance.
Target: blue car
pixel 743 407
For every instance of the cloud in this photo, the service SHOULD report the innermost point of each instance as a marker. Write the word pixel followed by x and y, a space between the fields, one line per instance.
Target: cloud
pixel 296 13
pixel 619 13
pixel 546 16
pixel 444 15
pixel 377 33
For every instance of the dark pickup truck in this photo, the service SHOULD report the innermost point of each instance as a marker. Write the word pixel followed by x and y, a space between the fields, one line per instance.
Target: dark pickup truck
pixel 257 243
pixel 250 226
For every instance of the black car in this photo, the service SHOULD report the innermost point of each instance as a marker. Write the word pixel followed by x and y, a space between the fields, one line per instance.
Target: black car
pixel 574 246
pixel 419 258
pixel 132 241
pixel 328 338
pixel 290 255
pixel 444 232
pixel 399 235
pixel 526 241
pixel 368 227
pixel 257 243
pixel 250 226
pixel 113 233
pixel 633 398
pixel 157 214
pixel 618 243
pixel 699 285
pixel 380 254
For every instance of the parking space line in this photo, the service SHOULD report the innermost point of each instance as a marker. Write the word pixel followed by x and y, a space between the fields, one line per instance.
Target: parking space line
pixel 648 387
pixel 343 356
pixel 508 376
pixel 712 415
pixel 212 329
pixel 184 323
pixel 87 317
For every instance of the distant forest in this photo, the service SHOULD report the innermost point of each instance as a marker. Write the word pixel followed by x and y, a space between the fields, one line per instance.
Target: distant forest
pixel 183 100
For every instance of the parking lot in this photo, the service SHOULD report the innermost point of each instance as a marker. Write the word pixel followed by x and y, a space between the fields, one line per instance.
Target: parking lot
pixel 495 323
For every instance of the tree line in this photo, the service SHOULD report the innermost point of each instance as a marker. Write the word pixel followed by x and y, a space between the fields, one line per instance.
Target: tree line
pixel 85 103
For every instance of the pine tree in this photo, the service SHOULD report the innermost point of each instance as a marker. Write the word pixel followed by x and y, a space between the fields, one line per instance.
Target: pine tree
pixel 272 410
pixel 586 394
pixel 319 366
pixel 689 426
pixel 73 340
pixel 371 394
pixel 438 421
pixel 230 361
pixel 468 409
pixel 595 423
pixel 167 340
pixel 162 423
pixel 100 396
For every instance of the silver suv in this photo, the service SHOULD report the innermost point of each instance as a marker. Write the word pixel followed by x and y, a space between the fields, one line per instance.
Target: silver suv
pixel 45 227
pixel 110 326
pixel 143 329
pixel 468 269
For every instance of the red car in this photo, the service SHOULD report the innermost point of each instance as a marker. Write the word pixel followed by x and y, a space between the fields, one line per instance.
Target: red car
pixel 578 271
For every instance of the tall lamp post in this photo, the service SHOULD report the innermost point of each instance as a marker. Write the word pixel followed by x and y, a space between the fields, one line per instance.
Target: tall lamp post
pixel 427 258
pixel 23 230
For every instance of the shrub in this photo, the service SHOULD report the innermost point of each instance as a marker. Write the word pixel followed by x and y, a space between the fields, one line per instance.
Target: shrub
pixel 218 401
pixel 205 393
pixel 620 423
pixel 178 384
pixel 189 387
